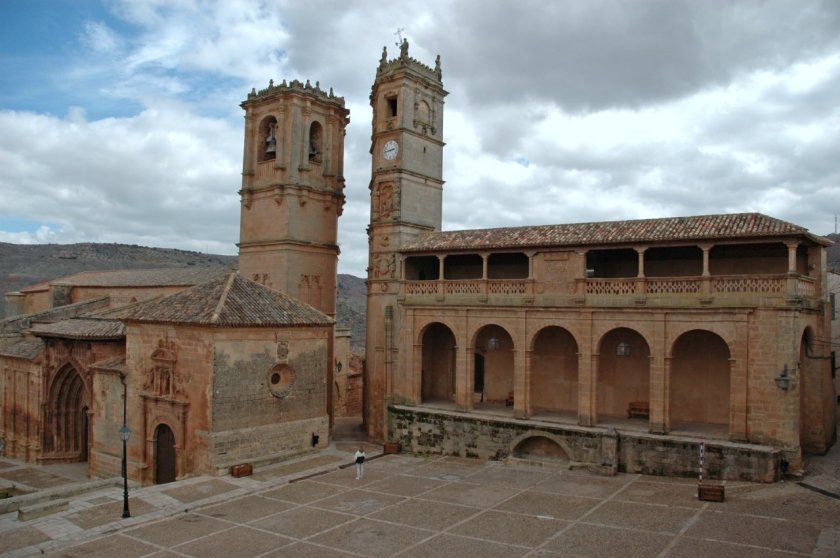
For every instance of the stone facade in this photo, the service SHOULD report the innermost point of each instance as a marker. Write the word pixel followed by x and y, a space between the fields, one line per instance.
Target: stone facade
pixel 690 328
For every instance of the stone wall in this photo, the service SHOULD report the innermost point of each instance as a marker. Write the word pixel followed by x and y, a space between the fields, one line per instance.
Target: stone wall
pixel 603 450
pixel 268 443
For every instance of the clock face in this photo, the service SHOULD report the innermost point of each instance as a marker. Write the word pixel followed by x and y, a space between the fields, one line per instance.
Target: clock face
pixel 390 150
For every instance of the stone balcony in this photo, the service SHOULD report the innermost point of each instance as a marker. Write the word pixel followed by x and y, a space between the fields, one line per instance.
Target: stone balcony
pixel 729 290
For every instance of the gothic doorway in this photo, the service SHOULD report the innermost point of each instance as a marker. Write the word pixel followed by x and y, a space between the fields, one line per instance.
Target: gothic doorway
pixel 66 418
pixel 164 454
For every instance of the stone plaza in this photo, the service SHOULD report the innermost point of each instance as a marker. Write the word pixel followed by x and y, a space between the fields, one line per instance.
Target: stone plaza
pixel 430 506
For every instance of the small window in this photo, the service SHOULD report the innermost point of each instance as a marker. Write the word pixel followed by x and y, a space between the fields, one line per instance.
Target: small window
pixel 392 106
pixel 315 142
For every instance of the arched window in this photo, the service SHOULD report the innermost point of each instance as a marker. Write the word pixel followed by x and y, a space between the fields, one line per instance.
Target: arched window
pixel 267 149
pixel 316 143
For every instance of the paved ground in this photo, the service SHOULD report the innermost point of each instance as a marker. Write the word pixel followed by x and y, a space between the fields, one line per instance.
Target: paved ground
pixel 437 506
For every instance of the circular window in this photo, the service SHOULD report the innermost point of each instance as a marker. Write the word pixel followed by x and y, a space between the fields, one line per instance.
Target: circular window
pixel 281 378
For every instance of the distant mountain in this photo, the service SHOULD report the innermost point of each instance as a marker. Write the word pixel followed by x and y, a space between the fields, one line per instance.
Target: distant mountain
pixel 24 265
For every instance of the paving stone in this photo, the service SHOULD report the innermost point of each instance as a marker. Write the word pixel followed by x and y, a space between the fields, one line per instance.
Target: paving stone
pixel 302 522
pixel 771 533
pixel 511 477
pixel 684 495
pixel 178 530
pixel 551 505
pixel 470 494
pixel 243 542
pixel 304 492
pixel 245 509
pixel 608 542
pixel 308 550
pixel 21 538
pixel 358 502
pixel 36 478
pixel 662 519
pixel 425 514
pixel 107 547
pixel 370 538
pixel 687 547
pixel 510 528
pixel 108 513
pixel 590 486
pixel 199 491
pixel 405 485
pixel 450 546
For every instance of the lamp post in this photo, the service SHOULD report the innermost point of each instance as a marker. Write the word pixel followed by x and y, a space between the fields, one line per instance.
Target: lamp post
pixel 125 433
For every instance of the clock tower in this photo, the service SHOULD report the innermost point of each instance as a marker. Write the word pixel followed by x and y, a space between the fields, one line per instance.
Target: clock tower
pixel 406 196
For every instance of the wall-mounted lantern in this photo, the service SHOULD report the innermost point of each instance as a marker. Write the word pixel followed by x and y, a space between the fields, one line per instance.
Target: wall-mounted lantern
pixel 783 379
pixel 622 349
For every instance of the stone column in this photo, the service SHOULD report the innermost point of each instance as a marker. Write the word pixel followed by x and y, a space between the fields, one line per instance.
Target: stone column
pixel 520 383
pixel 658 396
pixel 587 378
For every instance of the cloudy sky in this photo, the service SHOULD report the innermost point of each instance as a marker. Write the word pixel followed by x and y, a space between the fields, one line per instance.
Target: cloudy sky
pixel 120 119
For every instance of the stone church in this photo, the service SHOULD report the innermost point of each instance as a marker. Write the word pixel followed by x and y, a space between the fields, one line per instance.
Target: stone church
pixel 614 345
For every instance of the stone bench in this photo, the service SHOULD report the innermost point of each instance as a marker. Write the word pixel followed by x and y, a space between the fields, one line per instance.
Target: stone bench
pixel 638 409
pixel 41 509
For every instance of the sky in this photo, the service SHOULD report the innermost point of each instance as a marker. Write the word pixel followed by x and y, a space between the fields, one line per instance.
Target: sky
pixel 120 119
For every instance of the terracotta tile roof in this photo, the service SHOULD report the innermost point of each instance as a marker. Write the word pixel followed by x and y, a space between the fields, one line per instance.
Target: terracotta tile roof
pixel 179 276
pixel 25 348
pixel 81 328
pixel 24 321
pixel 229 301
pixel 702 227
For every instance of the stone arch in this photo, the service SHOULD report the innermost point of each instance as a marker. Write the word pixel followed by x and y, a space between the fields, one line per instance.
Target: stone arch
pixel 700 378
pixel 66 424
pixel 542 446
pixel 437 380
pixel 623 372
pixel 554 371
pixel 494 345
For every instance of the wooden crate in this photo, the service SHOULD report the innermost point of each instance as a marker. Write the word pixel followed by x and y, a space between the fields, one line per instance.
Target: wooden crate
pixel 241 470
pixel 710 492
pixel 392 447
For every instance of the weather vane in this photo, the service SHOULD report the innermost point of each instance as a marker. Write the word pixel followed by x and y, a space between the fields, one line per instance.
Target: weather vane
pixel 399 36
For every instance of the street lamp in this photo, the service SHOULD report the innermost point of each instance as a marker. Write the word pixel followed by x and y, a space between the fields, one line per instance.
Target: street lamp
pixel 125 433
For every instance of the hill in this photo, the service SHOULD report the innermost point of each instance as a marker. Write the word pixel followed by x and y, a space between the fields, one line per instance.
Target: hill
pixel 22 266
pixel 833 252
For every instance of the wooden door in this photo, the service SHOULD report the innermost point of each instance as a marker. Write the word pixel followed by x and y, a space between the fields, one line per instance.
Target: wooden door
pixel 164 455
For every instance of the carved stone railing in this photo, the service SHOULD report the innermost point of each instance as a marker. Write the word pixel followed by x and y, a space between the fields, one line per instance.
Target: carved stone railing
pixel 806 286
pixel 673 286
pixel 508 286
pixel 610 286
pixel 748 284
pixel 471 286
pixel 486 289
pixel 421 288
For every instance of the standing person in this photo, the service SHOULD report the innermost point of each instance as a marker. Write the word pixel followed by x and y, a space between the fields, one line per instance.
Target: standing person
pixel 360 463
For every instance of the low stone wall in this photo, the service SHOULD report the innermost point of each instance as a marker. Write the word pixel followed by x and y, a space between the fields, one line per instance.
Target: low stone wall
pixel 604 450
pixel 267 444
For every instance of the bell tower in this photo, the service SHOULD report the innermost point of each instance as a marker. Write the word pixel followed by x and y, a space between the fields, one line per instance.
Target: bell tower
pixel 406 190
pixel 293 190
